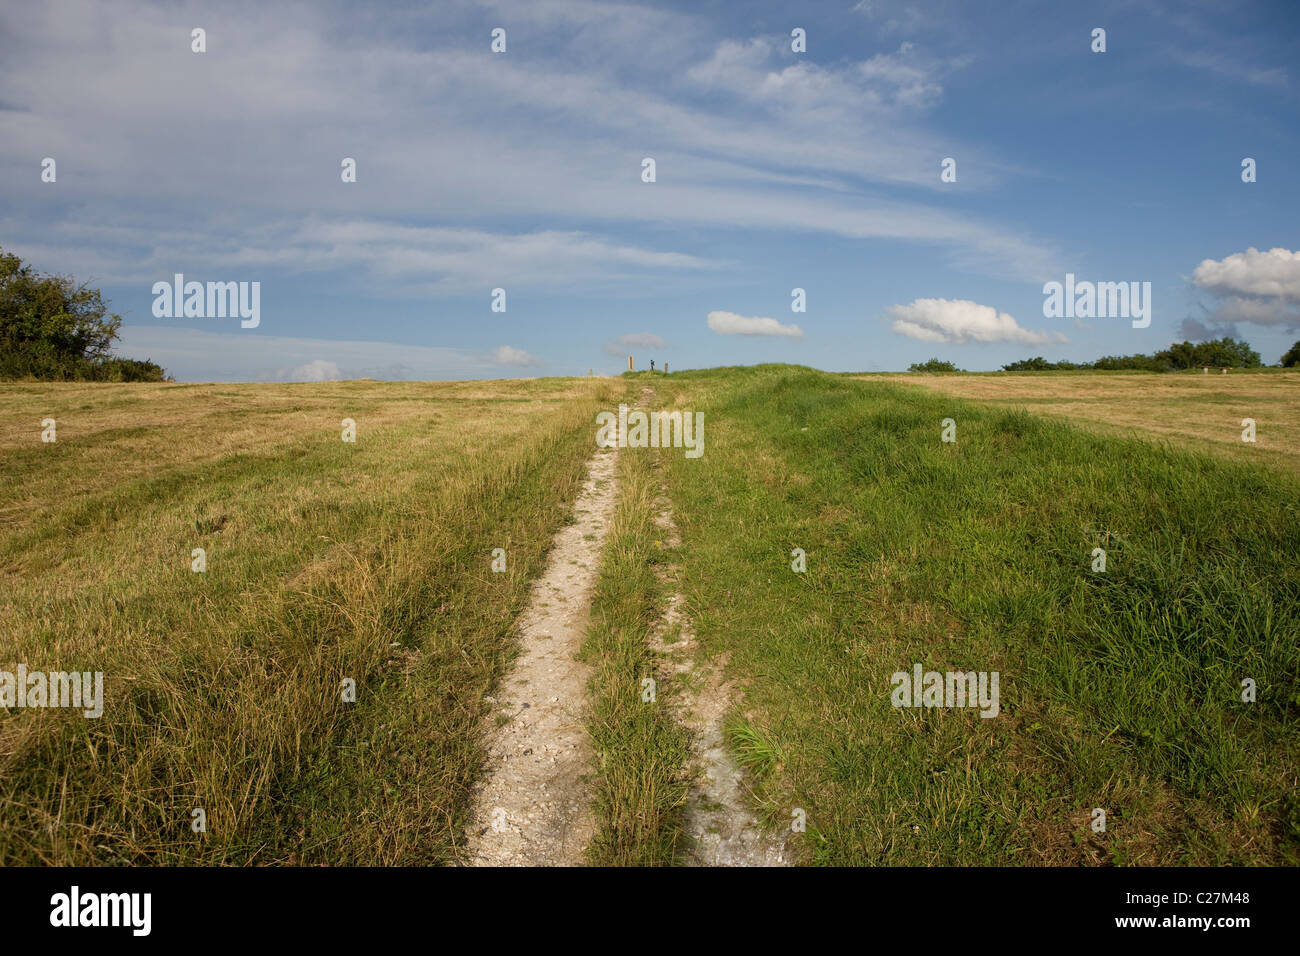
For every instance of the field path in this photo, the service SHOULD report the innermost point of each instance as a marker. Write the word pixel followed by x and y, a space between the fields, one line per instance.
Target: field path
pixel 721 830
pixel 534 805
pixel 720 827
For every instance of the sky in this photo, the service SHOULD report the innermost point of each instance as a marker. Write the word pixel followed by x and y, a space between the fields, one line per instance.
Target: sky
pixel 775 169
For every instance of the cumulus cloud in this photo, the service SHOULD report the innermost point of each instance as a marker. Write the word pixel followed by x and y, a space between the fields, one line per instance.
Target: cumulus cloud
pixel 509 355
pixel 961 321
pixel 635 340
pixel 729 323
pixel 1252 287
pixel 1275 274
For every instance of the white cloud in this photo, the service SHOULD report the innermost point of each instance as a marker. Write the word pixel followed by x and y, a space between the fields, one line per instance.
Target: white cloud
pixel 752 70
pixel 729 323
pixel 510 356
pixel 911 79
pixel 317 370
pixel 897 18
pixel 635 340
pixel 409 260
pixel 545 137
pixel 1275 274
pixel 1258 288
pixel 961 321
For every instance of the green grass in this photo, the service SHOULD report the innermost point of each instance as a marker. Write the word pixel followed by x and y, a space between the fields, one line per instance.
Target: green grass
pixel 640 751
pixel 329 560
pixel 1118 690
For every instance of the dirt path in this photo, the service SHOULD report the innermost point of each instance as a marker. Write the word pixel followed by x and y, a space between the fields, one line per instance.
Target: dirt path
pixel 533 807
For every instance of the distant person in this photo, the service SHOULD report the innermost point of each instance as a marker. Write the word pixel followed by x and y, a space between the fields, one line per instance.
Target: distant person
pixel 652 365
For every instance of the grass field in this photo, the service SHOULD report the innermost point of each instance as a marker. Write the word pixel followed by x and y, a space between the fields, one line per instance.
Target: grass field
pixel 326 560
pixel 370 561
pixel 1119 690
pixel 1190 410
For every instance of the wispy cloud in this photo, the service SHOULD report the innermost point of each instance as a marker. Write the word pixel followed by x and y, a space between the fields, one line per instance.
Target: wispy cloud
pixel 449 135
pixel 522 170
pixel 635 340
pixel 200 355
pixel 317 370
pixel 422 260
pixel 1226 66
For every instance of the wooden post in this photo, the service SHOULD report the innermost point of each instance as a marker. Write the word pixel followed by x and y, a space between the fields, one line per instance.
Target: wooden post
pixel 629 363
pixel 665 368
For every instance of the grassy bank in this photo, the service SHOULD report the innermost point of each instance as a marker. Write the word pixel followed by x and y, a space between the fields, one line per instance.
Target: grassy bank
pixel 326 561
pixel 1119 690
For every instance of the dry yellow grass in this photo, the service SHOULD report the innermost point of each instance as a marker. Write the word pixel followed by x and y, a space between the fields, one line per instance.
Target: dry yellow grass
pixel 1190 410
pixel 325 560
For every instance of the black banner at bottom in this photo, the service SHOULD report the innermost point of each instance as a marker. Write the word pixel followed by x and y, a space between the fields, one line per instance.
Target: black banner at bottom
pixel 332 907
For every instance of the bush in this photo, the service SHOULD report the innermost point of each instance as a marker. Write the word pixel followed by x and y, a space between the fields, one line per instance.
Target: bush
pixel 54 329
pixel 934 365
pixel 1135 362
pixel 1035 364
pixel 1219 353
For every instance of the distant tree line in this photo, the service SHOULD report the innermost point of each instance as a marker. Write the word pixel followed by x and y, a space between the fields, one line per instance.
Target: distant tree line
pixel 55 329
pixel 1219 353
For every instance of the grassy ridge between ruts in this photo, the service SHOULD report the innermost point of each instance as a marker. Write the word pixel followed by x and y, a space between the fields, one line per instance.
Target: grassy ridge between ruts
pixel 640 751
pixel 326 560
pixel 1119 690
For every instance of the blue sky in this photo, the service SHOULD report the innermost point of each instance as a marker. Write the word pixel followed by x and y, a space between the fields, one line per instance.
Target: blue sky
pixel 522 170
